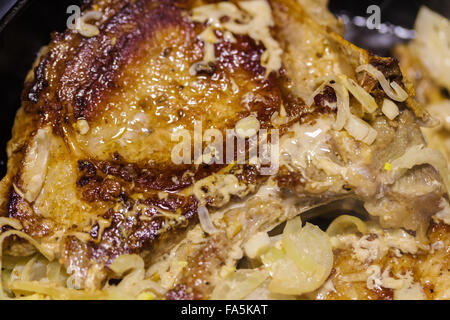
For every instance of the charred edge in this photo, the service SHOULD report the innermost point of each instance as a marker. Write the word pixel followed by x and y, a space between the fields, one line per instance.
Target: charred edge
pixel 40 81
pixel 33 224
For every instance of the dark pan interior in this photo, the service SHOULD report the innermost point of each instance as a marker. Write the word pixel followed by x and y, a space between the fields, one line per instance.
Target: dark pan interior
pixel 26 25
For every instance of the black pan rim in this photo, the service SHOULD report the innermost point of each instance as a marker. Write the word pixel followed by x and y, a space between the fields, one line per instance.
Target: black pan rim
pixel 15 9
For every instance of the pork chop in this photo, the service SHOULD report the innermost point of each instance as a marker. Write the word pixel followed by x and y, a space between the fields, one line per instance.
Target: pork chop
pixel 91 175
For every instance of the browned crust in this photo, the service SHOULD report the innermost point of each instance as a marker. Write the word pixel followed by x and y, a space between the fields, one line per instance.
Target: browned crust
pixel 129 234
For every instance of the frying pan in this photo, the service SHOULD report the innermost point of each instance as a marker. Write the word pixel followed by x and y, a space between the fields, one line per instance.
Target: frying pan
pixel 25 26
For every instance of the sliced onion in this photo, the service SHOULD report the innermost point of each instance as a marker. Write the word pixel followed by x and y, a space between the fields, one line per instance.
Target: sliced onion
pixel 257 244
pixel 371 136
pixel 307 263
pixel 390 109
pixel 360 130
pixel 205 220
pixel 10 222
pixel 271 256
pixel 293 226
pixel 357 128
pixel 343 105
pixel 86 29
pixel 133 283
pixel 124 263
pixel 345 223
pixel 402 95
pixel 240 284
pixel 393 90
pixel 47 254
pixel 432 44
pixel 441 111
pixel 367 101
pixel 35 164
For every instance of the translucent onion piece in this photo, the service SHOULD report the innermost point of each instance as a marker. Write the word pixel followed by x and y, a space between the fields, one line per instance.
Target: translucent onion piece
pixel 293 226
pixel 133 283
pixel 390 109
pixel 360 130
pixel 23 235
pixel 257 245
pixel 125 263
pixel 54 273
pixel 343 106
pixel 357 128
pixel 10 222
pixel 367 101
pixel 307 263
pixel 86 29
pixel 303 261
pixel 271 256
pixel 393 90
pixel 441 111
pixel 344 224
pixel 433 44
pixel 240 284
pixel 371 136
pixel 27 269
pixel 55 292
pixel 35 164
pixel 205 220
pixel 401 93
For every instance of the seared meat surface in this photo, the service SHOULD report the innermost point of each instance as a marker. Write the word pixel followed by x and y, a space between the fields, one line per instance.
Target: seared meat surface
pixel 90 171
